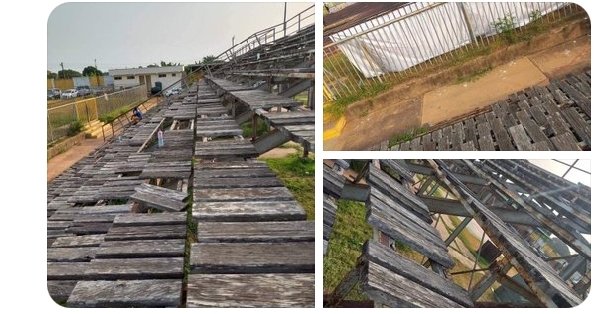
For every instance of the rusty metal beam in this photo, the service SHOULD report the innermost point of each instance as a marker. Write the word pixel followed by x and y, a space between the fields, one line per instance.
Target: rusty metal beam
pixel 548 197
pixel 571 238
pixel 515 286
pixel 498 232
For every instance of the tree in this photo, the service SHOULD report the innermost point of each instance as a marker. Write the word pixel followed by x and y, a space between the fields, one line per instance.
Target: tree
pixel 68 74
pixel 208 59
pixel 92 71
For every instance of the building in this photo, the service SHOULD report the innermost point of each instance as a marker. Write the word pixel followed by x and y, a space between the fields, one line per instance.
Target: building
pixel 168 76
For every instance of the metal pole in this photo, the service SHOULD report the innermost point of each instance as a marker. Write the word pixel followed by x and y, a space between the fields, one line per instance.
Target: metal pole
pixel 285 19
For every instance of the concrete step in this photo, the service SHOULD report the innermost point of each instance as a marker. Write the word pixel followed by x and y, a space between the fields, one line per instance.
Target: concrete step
pixel 94 129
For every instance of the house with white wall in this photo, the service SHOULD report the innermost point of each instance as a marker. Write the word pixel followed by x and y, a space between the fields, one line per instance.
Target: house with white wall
pixel 168 76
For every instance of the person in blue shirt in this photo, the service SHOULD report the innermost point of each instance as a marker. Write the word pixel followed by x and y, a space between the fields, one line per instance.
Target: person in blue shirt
pixel 137 115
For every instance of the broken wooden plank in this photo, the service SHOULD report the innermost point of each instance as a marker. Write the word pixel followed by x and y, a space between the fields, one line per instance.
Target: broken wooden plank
pixel 235 258
pixel 259 231
pixel 126 293
pixel 251 290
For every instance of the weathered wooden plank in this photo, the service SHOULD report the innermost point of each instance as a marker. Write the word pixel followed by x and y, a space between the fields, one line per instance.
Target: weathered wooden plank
pixel 212 183
pixel 152 173
pixel 536 112
pixel 428 143
pixel 236 194
pixel 255 172
pixel 115 269
pixel 117 233
pixel 386 206
pixel 91 240
pixel 412 235
pixel 333 181
pixel 399 193
pixel 502 137
pixel 445 140
pixel 58 225
pixel 71 254
pixel 578 124
pixel 60 290
pixel 169 193
pixel 142 248
pixel 258 99
pixel 225 152
pixel 234 258
pixel 276 231
pixel 385 287
pixel 457 136
pixel 565 141
pixel 158 202
pixel 101 218
pixel 533 130
pixel 577 97
pixel 329 211
pixel 520 138
pixel 230 166
pixel 126 293
pixel 415 272
pixel 227 85
pixel 248 211
pixel 399 166
pixel 251 290
pixel 470 130
pixel 90 228
pixel 124 220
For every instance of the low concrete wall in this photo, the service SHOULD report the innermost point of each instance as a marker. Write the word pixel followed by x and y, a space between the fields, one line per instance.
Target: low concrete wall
pixel 65 145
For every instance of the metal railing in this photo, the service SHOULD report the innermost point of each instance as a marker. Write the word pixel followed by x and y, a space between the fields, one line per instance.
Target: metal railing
pixel 266 36
pixel 62 120
pixel 421 35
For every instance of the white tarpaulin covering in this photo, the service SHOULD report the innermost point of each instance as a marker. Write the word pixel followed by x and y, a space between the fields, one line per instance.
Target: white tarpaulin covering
pixel 419 34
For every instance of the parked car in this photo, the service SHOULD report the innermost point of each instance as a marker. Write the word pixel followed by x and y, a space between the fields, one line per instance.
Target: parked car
pixel 97 91
pixel 69 93
pixel 83 91
pixel 54 93
pixel 173 91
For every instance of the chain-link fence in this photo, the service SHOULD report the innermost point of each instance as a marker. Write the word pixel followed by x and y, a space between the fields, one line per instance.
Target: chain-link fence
pixel 421 35
pixel 66 120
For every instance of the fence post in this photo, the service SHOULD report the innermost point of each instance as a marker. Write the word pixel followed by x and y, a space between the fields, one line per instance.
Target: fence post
pixel 467 22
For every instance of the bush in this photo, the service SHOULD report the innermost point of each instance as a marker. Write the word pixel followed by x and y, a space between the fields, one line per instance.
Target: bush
pixel 75 128
pixel 247 129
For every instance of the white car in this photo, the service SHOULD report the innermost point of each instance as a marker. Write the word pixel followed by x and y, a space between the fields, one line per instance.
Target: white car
pixel 173 91
pixel 69 93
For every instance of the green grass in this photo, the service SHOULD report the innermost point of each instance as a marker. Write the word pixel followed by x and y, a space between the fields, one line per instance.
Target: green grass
pixel 297 174
pixel 302 97
pixel 474 76
pixel 350 231
pixel 405 137
pixel 247 129
pixel 337 108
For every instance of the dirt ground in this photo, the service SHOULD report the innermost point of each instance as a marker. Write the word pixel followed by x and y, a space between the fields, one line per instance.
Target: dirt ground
pixel 426 102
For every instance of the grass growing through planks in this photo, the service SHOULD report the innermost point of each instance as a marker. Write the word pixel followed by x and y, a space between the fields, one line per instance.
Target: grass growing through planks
pixel 297 174
pixel 350 231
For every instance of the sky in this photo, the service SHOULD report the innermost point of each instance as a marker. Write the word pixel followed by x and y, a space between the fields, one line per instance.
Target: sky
pixel 115 35
pixel 579 173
